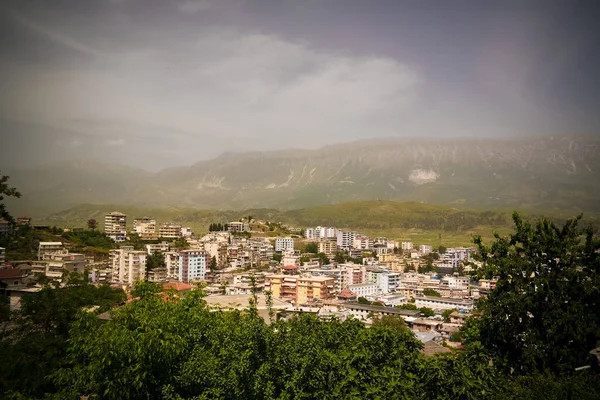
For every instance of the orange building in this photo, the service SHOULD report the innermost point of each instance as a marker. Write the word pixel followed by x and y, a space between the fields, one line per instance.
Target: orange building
pixel 300 290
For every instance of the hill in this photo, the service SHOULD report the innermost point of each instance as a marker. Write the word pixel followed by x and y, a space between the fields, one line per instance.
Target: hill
pixel 551 173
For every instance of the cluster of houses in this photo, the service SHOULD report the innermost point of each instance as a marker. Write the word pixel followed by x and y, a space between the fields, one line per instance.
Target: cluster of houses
pixel 233 265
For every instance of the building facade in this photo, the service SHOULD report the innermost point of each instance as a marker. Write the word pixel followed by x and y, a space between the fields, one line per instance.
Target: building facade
pixel 127 265
pixel 145 228
pixel 284 244
pixel 193 265
pixel 115 226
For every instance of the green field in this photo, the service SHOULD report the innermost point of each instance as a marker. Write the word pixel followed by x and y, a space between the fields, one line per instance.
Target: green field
pixel 417 222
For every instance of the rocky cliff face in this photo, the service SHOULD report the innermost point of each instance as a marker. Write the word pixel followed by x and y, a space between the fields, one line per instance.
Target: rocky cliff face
pixel 550 172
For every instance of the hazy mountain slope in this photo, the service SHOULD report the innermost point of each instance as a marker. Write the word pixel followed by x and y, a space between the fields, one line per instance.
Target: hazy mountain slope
pixel 532 172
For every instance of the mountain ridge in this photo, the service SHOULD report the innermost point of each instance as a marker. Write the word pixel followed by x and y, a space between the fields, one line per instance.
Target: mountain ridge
pixel 554 172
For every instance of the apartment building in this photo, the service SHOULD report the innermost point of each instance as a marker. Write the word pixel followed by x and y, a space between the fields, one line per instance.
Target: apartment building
pixel 127 265
pixel 152 248
pixel 300 290
pixel 193 265
pixel 362 242
pixel 455 282
pixel 364 289
pixel 115 226
pixel 172 264
pixel 2 254
pixel 145 227
pixel 5 227
pixel 345 239
pixel 425 249
pixel 65 261
pixel 46 249
pixel 407 246
pixel 443 303
pixel 237 226
pixel 284 244
pixel 327 247
pixel 291 259
pixel 170 231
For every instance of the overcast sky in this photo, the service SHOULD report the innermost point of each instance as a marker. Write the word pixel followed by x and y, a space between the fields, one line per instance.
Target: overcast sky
pixel 159 83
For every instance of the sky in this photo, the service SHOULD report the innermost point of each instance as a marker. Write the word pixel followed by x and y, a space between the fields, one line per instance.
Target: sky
pixel 162 83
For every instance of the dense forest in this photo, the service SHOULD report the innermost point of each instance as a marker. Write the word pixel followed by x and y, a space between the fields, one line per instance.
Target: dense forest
pixel 528 339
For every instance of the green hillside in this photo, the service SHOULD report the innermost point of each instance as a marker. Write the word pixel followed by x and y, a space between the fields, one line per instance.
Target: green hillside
pixel 422 223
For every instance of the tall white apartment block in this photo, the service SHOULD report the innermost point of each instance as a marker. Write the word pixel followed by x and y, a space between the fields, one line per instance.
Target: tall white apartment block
pixel 146 228
pixel 193 265
pixel 284 244
pixel 115 226
pixel 127 265
pixel 425 249
pixel 310 233
pixel 407 246
pixel 345 239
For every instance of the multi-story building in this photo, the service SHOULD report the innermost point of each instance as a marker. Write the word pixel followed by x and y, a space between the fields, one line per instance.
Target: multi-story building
pixel 345 239
pixel 2 254
pixel 65 261
pixel 145 227
pixel 327 247
pixel 300 290
pixel 311 233
pixel 455 257
pixel 127 265
pixel 364 289
pixel 388 282
pixel 362 242
pixel 291 258
pixel 193 265
pixel 455 282
pixel 5 227
pixel 284 244
pixel 152 248
pixel 115 226
pixel 237 226
pixel 443 303
pixel 407 246
pixel 170 231
pixel 46 249
pixel 425 249
pixel 172 264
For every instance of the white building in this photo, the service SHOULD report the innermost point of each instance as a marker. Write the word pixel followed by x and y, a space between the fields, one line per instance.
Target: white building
pixel 364 289
pixel 236 226
pixel 388 282
pixel 456 282
pixel 127 265
pixel 284 244
pixel 115 226
pixel 193 265
pixel 172 264
pixel 310 233
pixel 345 239
pixel 407 246
pixel 443 303
pixel 152 248
pixel 327 247
pixel 362 242
pixel 290 259
pixel 46 249
pixel 145 227
pixel 425 249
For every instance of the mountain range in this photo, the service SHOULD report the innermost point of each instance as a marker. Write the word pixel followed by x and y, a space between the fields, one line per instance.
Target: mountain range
pixel 534 172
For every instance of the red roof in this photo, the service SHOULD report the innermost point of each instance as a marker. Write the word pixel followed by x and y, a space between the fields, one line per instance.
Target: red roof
pixel 290 267
pixel 346 294
pixel 178 286
pixel 8 273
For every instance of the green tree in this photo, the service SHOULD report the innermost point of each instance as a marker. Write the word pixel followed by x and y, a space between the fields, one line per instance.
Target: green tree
pixel 431 292
pixel 277 257
pixel 311 247
pixel 544 314
pixel 154 261
pixel 92 224
pixel 446 314
pixel 7 191
pixel 213 263
pixel 426 311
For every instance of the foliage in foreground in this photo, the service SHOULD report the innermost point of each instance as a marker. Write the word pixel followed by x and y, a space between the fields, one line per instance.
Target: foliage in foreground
pixel 164 346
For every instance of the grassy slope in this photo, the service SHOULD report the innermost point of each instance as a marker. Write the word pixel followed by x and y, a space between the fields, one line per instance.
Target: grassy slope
pixel 421 223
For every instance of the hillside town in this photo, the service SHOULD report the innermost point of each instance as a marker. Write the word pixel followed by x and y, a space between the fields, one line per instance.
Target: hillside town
pixel 322 270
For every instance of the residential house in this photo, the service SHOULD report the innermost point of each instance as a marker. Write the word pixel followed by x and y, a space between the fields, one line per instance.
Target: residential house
pixel 145 227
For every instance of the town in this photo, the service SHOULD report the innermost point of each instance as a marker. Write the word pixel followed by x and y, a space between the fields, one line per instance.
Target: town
pixel 325 271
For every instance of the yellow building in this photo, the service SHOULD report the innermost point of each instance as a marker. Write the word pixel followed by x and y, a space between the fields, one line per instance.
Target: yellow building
pixel 300 290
